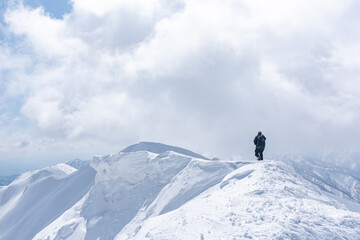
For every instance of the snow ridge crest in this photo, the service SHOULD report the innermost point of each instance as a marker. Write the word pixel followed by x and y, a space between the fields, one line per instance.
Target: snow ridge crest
pixel 161 148
pixel 157 191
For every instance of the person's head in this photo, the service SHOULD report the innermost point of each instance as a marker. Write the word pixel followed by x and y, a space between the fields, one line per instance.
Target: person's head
pixel 259 133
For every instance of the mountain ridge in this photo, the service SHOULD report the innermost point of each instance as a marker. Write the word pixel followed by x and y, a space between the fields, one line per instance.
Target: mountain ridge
pixel 161 148
pixel 140 194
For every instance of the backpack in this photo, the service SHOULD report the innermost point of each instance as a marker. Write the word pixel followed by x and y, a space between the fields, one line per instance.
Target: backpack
pixel 260 141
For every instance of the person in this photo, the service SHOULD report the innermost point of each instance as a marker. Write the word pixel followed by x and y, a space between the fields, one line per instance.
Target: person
pixel 259 142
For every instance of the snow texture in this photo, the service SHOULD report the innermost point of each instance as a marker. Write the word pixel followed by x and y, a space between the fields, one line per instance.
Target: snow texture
pixel 37 198
pixel 78 163
pixel 160 148
pixel 155 191
pixel 257 201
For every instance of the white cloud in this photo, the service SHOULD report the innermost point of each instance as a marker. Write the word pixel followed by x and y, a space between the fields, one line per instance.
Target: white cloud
pixel 46 36
pixel 202 74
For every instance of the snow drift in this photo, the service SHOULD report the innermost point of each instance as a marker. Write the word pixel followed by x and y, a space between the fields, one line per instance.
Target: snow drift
pixel 156 191
pixel 36 198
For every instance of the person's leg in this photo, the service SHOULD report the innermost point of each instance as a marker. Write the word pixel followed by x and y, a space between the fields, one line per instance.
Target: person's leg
pixel 257 154
pixel 261 155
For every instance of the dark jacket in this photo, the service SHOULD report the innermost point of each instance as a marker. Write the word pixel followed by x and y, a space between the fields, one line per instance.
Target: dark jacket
pixel 260 144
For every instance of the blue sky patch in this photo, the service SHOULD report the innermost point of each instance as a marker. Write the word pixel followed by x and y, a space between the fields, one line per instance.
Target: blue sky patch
pixel 56 8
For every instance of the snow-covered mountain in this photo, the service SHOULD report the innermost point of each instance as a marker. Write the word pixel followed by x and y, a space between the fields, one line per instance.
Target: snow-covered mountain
pixel 37 198
pixel 156 191
pixel 160 148
pixel 78 163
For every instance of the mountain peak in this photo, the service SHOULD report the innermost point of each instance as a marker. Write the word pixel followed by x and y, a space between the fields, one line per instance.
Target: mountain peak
pixel 160 148
pixel 78 163
pixel 137 195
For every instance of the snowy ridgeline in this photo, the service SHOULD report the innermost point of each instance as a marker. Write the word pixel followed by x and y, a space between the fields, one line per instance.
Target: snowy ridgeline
pixel 155 191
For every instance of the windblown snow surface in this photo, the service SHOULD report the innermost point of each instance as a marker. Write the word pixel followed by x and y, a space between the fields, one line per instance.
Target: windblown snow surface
pixel 145 193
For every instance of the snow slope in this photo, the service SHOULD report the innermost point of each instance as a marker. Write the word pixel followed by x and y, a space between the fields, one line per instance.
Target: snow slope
pixel 78 163
pixel 256 201
pixel 125 183
pixel 160 148
pixel 333 179
pixel 156 191
pixel 37 198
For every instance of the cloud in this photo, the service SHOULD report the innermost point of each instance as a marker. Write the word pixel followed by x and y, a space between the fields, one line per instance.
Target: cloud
pixel 206 75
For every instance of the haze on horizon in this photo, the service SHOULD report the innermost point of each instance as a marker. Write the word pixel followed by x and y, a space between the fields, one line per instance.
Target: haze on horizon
pixel 83 77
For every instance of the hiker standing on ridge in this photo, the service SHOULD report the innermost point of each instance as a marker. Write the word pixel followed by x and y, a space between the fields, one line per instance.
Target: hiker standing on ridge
pixel 259 141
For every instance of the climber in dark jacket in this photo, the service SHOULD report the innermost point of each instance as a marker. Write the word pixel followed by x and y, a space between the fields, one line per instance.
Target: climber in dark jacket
pixel 259 141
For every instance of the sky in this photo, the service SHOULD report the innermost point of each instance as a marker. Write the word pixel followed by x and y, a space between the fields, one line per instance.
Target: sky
pixel 86 77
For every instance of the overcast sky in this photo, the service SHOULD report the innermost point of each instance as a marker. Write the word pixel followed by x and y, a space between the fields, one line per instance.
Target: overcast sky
pixel 86 77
